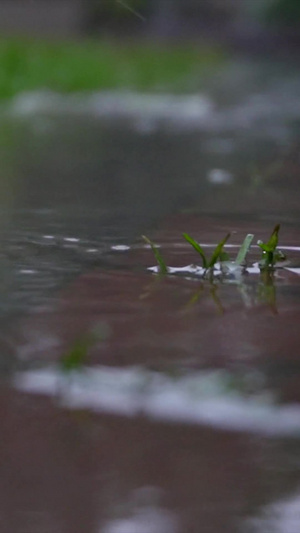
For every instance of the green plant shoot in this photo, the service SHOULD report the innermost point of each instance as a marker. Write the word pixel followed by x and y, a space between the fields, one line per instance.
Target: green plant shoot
pixel 269 252
pixel 198 249
pixel 217 254
pixel 244 249
pixel 271 245
pixel 163 269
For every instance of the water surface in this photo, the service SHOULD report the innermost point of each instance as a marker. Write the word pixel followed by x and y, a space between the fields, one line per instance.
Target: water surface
pixel 183 413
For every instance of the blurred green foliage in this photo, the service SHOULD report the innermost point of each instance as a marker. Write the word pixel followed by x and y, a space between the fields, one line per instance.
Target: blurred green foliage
pixel 27 65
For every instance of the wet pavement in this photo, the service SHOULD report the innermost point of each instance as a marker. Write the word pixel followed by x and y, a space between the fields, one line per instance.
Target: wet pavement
pixel 130 402
pixel 183 416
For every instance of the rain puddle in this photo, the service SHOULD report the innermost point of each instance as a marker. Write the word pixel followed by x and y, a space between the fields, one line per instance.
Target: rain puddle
pixel 152 403
pixel 132 402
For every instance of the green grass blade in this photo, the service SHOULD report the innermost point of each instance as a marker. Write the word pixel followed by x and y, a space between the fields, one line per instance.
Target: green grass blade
pixel 263 246
pixel 161 263
pixel 271 245
pixel 273 241
pixel 244 249
pixel 196 247
pixel 218 251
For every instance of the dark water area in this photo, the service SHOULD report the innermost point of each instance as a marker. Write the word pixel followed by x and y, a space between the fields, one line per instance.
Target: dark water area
pixel 130 402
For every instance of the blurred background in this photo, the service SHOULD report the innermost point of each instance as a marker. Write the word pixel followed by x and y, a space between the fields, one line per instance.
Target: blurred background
pixel 218 19
pixel 137 108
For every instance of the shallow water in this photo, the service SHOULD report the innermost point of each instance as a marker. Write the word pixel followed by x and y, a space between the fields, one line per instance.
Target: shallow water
pixel 134 403
pixel 184 411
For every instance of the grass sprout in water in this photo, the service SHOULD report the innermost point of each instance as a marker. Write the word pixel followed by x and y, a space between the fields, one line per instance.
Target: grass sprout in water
pixel 238 266
pixel 244 249
pixel 163 269
pixel 218 254
pixel 270 254
pixel 219 264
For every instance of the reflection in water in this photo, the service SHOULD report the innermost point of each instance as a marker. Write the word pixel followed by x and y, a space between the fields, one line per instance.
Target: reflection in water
pixel 261 291
pixel 266 291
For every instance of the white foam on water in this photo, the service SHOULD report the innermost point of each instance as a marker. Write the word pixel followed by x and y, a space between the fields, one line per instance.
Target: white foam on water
pixel 265 114
pixel 204 398
pixel 281 516
pixel 254 269
pixel 228 267
pixel 146 112
pixel 294 270
pixel 188 269
pixel 142 512
pixel 120 247
pixel 71 239
pixel 144 520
